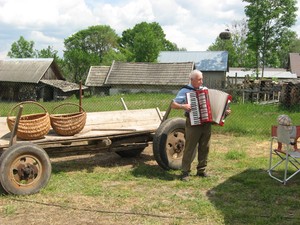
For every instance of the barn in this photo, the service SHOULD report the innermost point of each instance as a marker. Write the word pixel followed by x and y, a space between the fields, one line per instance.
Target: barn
pixel 33 79
pixel 127 77
pixel 95 80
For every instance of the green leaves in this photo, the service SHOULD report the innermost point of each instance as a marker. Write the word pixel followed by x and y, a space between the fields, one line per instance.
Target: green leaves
pixel 87 48
pixel 22 49
pixel 145 41
pixel 268 22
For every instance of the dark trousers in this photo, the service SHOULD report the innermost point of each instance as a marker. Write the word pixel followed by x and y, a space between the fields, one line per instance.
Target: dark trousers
pixel 197 140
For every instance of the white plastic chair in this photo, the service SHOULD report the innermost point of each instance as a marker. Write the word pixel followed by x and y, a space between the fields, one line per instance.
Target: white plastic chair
pixel 287 157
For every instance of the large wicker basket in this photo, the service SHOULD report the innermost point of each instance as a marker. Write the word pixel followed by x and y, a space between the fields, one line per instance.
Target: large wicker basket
pixel 68 124
pixel 31 126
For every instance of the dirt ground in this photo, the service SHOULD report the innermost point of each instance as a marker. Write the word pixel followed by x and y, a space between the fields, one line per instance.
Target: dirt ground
pixel 15 210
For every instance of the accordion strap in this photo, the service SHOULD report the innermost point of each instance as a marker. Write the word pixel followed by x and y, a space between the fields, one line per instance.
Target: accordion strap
pixel 188 87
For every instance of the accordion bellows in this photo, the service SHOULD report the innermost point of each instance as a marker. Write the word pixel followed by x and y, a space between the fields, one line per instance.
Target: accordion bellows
pixel 208 105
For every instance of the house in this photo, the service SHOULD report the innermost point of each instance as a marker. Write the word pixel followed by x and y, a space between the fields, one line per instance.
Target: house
pixel 294 63
pixel 127 77
pixel 95 80
pixel 213 64
pixel 237 76
pixel 33 79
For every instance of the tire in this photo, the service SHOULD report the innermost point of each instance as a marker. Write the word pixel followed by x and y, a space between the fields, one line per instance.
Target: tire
pixel 25 169
pixel 130 153
pixel 168 143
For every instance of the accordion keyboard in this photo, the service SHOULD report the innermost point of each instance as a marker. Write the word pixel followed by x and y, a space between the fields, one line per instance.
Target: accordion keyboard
pixel 194 113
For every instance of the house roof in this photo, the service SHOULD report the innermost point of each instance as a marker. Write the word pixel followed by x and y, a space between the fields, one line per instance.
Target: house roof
pixel 268 73
pixel 96 76
pixel 294 63
pixel 26 70
pixel 65 86
pixel 149 73
pixel 204 60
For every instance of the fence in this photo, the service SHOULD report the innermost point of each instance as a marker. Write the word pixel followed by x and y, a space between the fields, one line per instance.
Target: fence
pixel 249 116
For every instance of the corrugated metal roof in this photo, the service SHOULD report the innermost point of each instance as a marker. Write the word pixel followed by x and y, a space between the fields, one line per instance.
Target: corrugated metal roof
pixel 204 60
pixel 96 76
pixel 268 73
pixel 24 70
pixel 149 73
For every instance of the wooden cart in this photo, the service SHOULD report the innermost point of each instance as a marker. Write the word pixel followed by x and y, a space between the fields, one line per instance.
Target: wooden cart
pixel 25 166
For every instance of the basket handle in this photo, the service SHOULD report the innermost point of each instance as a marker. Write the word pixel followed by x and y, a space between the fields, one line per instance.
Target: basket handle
pixel 67 103
pixel 26 102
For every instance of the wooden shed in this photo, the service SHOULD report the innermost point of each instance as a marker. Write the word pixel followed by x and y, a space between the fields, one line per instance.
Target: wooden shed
pixel 32 79
pixel 124 77
pixel 95 80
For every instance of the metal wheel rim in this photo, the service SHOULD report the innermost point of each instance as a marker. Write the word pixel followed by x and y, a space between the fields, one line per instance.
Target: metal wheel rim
pixel 175 144
pixel 25 170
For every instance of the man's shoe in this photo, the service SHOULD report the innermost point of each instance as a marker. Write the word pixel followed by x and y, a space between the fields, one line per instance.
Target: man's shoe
pixel 185 176
pixel 202 174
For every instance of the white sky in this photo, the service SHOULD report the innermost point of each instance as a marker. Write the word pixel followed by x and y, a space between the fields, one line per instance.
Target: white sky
pixel 192 24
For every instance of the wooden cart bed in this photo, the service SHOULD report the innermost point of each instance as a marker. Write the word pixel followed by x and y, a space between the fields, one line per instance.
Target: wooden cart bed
pixel 99 126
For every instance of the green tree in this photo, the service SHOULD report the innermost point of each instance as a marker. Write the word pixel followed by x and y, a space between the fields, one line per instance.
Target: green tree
pixel 225 45
pixel 22 49
pixel 144 42
pixel 113 55
pixel 268 23
pixel 170 46
pixel 78 63
pixel 289 43
pixel 238 53
pixel 88 47
pixel 295 45
pixel 48 52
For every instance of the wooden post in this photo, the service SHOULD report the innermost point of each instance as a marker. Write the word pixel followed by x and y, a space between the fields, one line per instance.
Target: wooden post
pixel 167 112
pixel 235 79
pixel 80 95
pixel 243 97
pixel 13 137
pixel 123 103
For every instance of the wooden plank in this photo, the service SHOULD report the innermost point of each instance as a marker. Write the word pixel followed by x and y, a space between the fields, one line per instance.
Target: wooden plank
pixel 99 125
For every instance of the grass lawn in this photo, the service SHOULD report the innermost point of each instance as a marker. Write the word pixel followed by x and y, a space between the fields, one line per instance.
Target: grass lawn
pixel 107 189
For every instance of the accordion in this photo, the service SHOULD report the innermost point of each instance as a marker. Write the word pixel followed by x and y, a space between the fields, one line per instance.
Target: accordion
pixel 208 106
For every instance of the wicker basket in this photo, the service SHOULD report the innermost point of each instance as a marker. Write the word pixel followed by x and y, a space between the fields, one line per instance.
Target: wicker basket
pixel 31 126
pixel 70 123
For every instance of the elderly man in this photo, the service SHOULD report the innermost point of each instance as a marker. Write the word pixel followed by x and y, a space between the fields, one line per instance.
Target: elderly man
pixel 194 135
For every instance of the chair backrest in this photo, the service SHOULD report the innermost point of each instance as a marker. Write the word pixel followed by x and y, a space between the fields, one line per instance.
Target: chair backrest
pixel 284 134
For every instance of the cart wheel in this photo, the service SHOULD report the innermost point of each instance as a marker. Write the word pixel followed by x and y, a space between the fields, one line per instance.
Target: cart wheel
pixel 2 191
pixel 168 143
pixel 130 153
pixel 25 169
